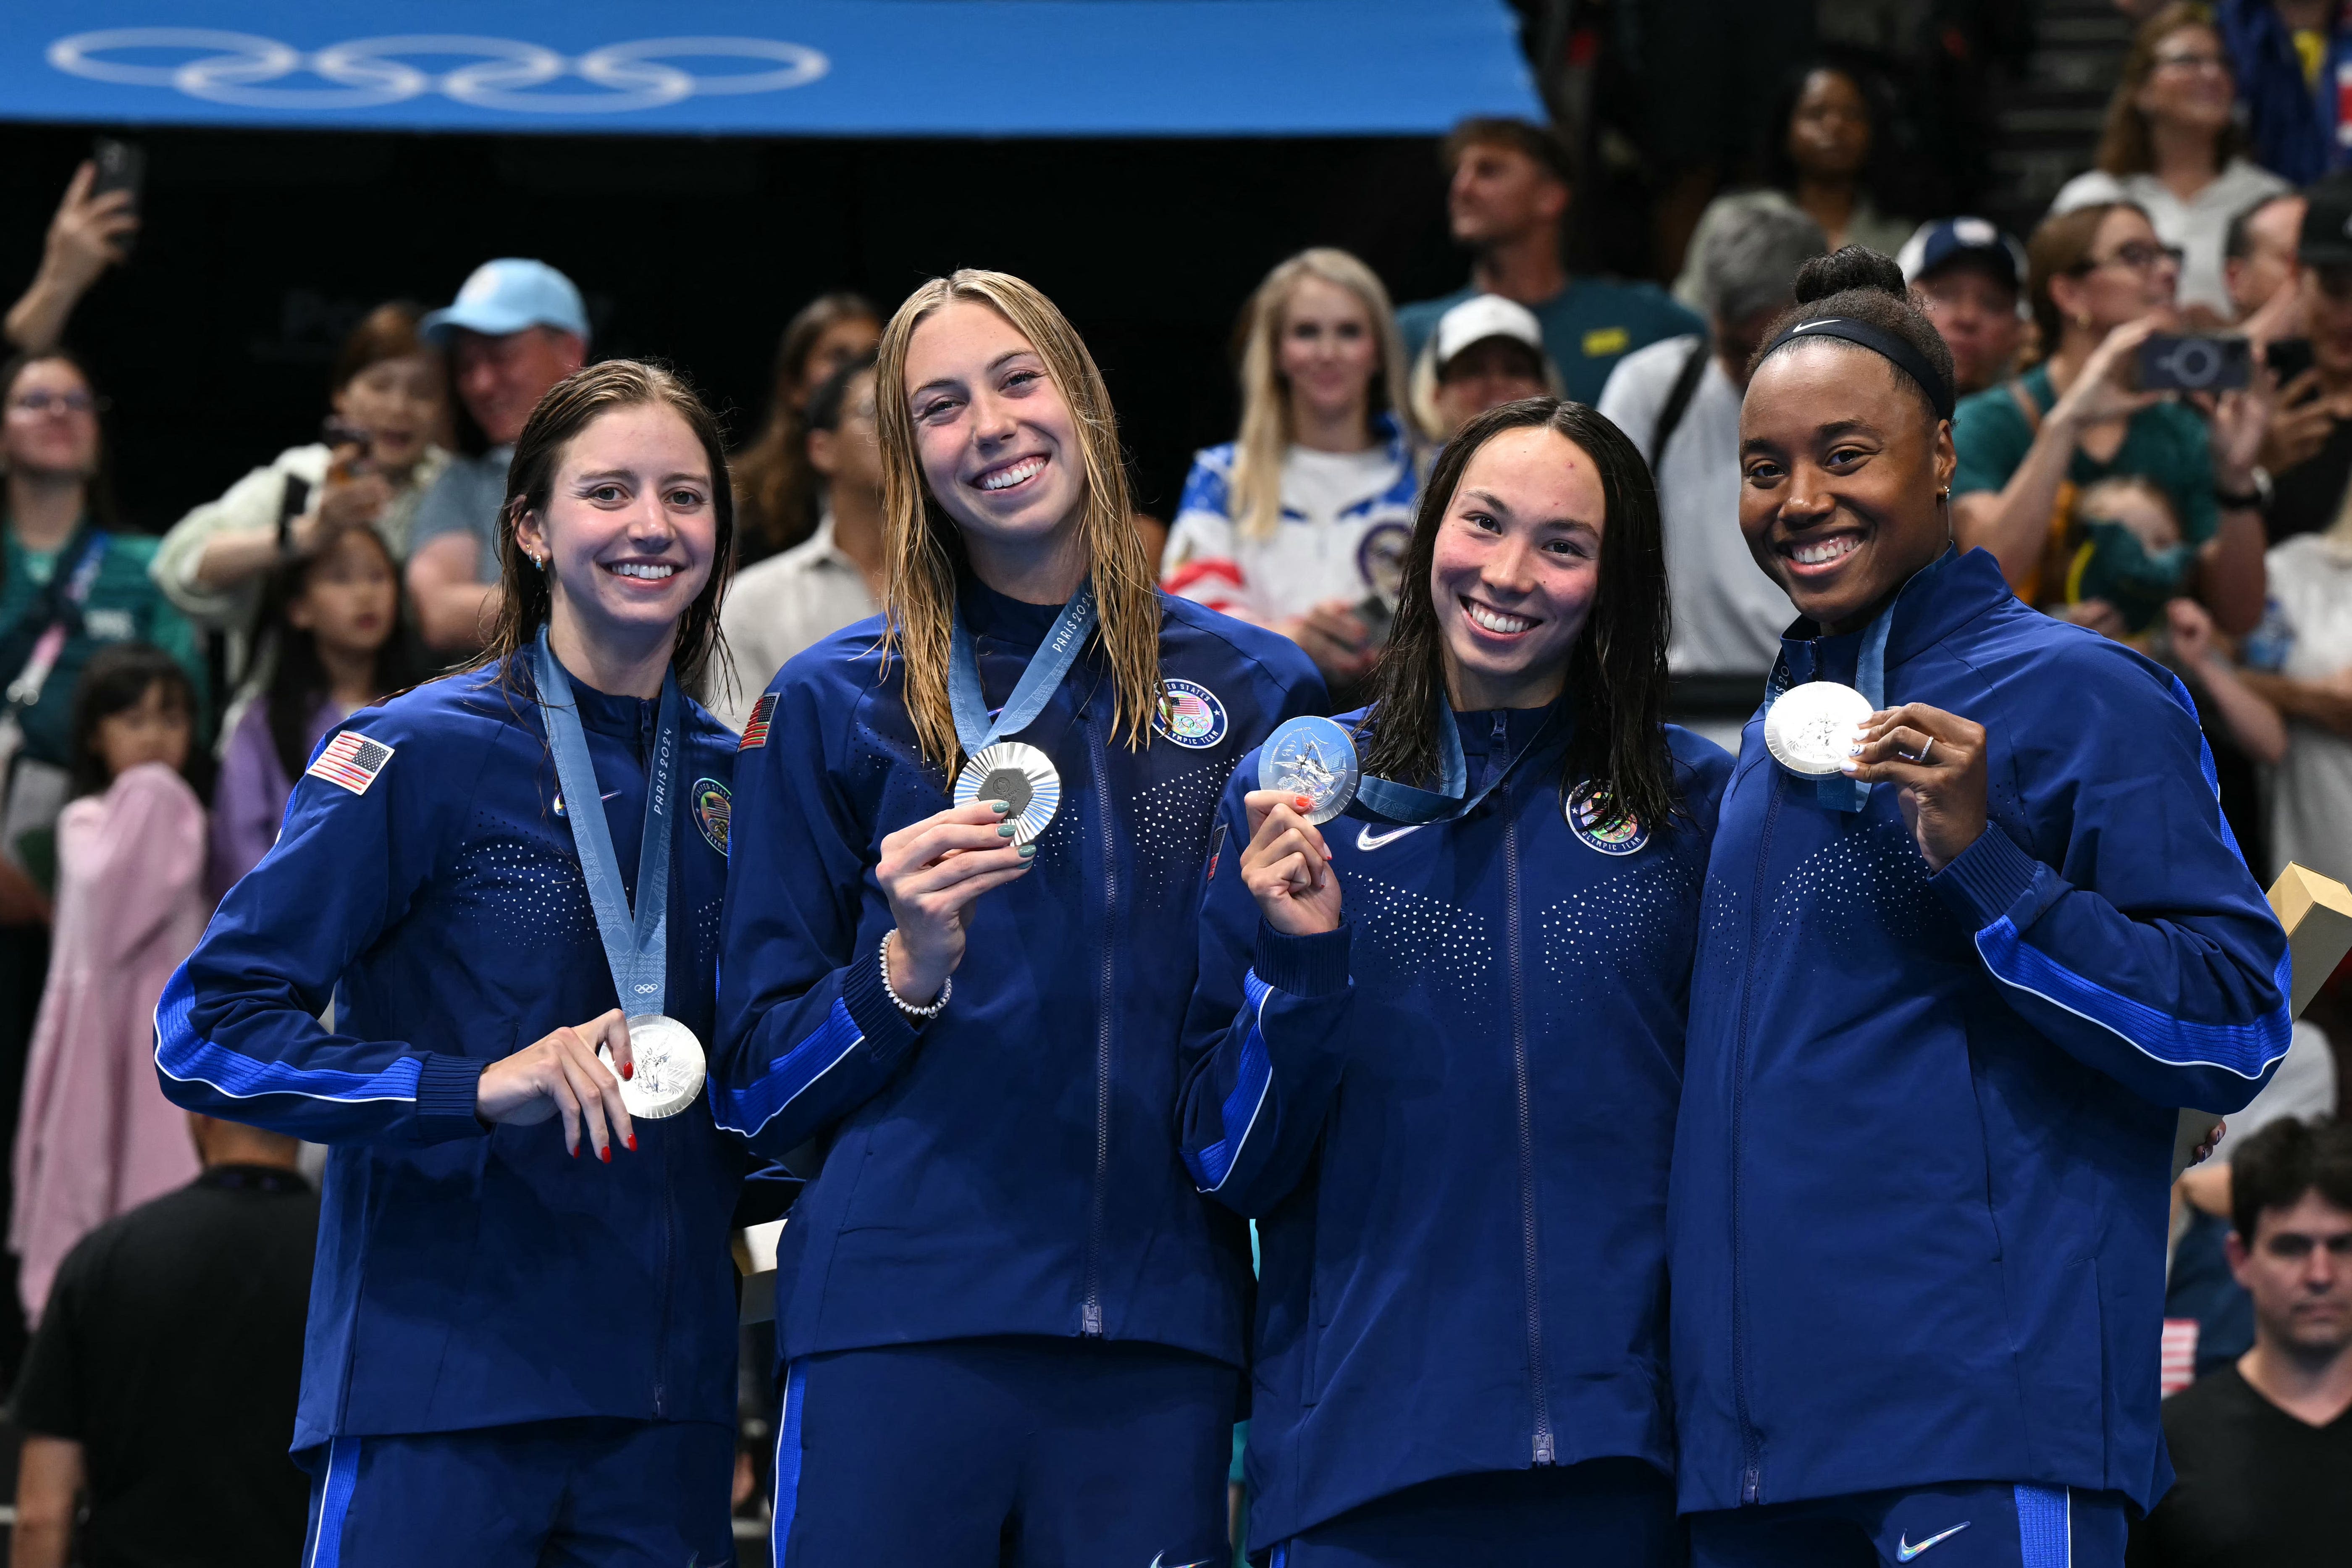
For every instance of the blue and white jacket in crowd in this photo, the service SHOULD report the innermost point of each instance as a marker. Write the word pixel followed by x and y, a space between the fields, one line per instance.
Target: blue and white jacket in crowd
pixel 468 1275
pixel 1452 1117
pixel 1011 1168
pixel 1920 1177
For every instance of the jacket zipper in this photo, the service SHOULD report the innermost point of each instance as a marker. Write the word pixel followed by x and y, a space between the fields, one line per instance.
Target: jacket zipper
pixel 1090 1320
pixel 669 1273
pixel 1546 1451
pixel 1751 1477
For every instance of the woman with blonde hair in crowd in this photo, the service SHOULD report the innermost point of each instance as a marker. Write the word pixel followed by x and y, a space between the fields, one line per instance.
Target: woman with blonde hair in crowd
pixel 969 840
pixel 775 486
pixel 1300 524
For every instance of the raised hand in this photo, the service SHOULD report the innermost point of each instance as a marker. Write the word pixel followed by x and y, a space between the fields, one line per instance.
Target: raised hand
pixel 1286 865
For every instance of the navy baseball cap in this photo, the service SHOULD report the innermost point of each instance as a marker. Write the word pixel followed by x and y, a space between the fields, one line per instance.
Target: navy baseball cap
pixel 506 296
pixel 1932 245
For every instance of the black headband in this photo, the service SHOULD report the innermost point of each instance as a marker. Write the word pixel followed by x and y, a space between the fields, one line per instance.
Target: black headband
pixel 1905 358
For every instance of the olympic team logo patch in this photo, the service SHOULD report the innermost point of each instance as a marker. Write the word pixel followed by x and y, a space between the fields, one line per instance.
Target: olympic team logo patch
pixel 713 807
pixel 1189 714
pixel 1615 836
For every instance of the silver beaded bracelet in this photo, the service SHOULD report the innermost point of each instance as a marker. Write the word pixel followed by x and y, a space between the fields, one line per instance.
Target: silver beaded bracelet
pixel 947 988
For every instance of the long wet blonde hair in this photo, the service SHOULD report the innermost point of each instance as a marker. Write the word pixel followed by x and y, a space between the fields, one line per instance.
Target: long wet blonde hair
pixel 926 549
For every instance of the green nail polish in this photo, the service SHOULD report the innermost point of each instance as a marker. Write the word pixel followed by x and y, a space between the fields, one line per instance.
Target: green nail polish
pixel 1027 850
pixel 1004 830
pixel 1000 806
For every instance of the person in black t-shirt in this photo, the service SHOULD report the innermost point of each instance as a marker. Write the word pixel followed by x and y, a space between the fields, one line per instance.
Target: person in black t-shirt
pixel 2263 1446
pixel 160 1388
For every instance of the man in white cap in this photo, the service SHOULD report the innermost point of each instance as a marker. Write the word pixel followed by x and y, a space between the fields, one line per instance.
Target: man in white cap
pixel 515 328
pixel 1486 351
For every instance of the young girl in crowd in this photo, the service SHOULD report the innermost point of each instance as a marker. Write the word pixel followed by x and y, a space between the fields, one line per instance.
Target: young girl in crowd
pixel 516 1356
pixel 1300 524
pixel 1501 1216
pixel 1974 930
pixel 334 618
pixel 959 919
pixel 96 1136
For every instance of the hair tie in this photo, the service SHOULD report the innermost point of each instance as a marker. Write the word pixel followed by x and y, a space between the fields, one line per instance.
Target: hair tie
pixel 1884 343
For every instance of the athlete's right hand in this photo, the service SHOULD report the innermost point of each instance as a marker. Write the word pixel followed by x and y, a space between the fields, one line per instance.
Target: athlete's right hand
pixel 560 1073
pixel 932 871
pixel 1286 866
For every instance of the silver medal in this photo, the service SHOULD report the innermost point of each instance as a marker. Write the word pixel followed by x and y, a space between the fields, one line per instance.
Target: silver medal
pixel 1018 774
pixel 1312 757
pixel 667 1077
pixel 1812 728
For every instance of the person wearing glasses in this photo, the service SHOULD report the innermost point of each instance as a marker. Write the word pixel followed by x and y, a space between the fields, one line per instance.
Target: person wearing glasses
pixel 2101 282
pixel 2172 144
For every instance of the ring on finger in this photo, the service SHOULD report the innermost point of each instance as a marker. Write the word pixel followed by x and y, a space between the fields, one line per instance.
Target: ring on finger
pixel 1927 748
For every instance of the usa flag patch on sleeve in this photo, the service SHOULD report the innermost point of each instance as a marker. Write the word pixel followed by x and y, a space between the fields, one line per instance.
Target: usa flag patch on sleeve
pixel 755 728
pixel 351 761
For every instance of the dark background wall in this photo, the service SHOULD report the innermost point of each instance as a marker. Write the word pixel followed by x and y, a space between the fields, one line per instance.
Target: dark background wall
pixel 259 248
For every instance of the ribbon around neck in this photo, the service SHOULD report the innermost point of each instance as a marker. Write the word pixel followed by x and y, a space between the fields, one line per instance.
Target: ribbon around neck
pixel 1838 792
pixel 1394 802
pixel 1036 686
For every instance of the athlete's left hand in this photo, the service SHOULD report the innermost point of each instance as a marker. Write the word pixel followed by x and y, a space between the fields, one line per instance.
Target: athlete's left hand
pixel 1937 760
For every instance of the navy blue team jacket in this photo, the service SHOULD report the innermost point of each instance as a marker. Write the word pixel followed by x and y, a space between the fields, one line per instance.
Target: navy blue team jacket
pixel 471 1276
pixel 1920 1177
pixel 1452 1117
pixel 1011 1168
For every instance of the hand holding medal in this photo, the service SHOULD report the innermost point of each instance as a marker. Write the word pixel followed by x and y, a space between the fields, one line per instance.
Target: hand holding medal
pixel 1307 774
pixel 562 1073
pixel 1938 761
pixel 932 871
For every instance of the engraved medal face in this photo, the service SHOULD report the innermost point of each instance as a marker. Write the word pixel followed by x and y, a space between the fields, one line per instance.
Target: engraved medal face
pixel 667 1077
pixel 1810 729
pixel 1312 757
pixel 1022 776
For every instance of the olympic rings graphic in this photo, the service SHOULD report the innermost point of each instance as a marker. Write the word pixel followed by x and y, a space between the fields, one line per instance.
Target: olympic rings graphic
pixel 500 73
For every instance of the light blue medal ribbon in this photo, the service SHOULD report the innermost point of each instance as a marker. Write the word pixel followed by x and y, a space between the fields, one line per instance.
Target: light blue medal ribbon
pixel 1838 792
pixel 1036 686
pixel 1394 802
pixel 638 947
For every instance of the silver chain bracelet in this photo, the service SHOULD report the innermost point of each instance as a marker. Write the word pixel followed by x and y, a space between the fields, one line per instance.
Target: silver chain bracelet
pixel 947 987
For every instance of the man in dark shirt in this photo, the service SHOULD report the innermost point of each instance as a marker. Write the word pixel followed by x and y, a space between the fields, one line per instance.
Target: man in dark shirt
pixel 160 1387
pixel 2263 1446
pixel 2307 450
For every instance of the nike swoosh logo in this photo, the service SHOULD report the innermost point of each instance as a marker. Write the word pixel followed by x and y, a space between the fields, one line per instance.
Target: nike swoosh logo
pixel 1371 837
pixel 1904 1551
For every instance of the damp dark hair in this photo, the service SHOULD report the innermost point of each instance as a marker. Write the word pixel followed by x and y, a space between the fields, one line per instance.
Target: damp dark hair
pixel 1617 756
pixel 2276 1167
pixel 298 682
pixel 116 679
pixel 1862 285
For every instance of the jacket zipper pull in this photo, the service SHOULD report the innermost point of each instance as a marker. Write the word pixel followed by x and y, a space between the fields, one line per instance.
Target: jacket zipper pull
pixel 1090 1320
pixel 1751 1485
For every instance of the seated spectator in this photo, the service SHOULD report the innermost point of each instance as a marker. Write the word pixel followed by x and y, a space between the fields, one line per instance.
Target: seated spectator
pixel 160 1392
pixel 2287 55
pixel 515 328
pixel 2300 662
pixel 1678 401
pixel 2101 283
pixel 2259 265
pixel 87 236
pixel 334 618
pixel 95 1136
pixel 1826 139
pixel 2307 454
pixel 832 579
pixel 1970 279
pixel 2263 1448
pixel 1509 195
pixel 2171 146
pixel 391 397
pixel 777 500
pixel 1486 351
pixel 1301 523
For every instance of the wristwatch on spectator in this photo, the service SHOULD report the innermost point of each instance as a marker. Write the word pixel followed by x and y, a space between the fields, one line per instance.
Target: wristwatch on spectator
pixel 2259 498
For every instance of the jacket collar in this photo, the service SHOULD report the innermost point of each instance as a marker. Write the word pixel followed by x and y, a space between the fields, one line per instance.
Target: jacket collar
pixel 1941 597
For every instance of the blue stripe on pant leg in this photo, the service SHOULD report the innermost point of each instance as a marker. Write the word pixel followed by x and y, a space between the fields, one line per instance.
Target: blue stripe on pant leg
pixel 2045 1527
pixel 335 1488
pixel 1281 1558
pixel 788 1462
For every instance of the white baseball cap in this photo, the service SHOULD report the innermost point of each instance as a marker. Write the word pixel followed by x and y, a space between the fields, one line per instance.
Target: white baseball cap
pixel 1483 316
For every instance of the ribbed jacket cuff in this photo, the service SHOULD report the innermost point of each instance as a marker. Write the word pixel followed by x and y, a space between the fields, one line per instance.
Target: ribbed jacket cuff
pixel 1303 965
pixel 1987 879
pixel 889 1032
pixel 446 1087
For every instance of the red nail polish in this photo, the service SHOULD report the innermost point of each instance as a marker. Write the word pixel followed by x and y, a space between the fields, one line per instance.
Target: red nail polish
pixel 575 1150
pixel 605 1154
pixel 628 1069
pixel 633 1142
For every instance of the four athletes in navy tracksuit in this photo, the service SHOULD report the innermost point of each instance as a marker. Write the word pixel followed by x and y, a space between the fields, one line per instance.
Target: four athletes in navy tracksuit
pixel 1003 1314
pixel 521 1340
pixel 1450 1101
pixel 1940 1027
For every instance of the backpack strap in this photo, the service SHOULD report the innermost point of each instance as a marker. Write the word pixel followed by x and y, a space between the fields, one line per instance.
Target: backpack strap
pixel 1678 401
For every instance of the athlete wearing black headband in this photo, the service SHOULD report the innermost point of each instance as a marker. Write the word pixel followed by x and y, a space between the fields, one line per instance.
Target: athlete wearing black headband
pixel 1981 964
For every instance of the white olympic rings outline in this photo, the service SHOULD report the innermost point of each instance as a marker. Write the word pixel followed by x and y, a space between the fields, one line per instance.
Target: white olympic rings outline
pixel 367 74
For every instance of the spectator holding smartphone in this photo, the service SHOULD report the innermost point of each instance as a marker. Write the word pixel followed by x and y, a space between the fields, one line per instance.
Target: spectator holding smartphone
pixel 2308 453
pixel 89 235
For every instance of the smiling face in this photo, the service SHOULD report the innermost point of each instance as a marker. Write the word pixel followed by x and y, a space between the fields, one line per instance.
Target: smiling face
pixel 503 378
pixel 1517 562
pixel 1325 351
pixel 2127 273
pixel 629 533
pixel 2187 84
pixel 399 403
pixel 1840 463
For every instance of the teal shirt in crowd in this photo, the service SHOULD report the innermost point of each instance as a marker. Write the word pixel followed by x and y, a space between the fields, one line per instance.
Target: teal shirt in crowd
pixel 125 603
pixel 2164 443
pixel 1588 327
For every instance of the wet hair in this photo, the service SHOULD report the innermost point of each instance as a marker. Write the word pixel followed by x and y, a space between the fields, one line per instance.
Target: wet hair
pixel 298 681
pixel 824 404
pixel 2276 1167
pixel 1863 286
pixel 1539 142
pixel 1617 756
pixel 116 679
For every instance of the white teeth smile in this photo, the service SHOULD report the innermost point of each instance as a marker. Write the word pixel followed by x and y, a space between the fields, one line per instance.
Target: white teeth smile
pixel 1495 621
pixel 652 571
pixel 1004 479
pixel 1820 551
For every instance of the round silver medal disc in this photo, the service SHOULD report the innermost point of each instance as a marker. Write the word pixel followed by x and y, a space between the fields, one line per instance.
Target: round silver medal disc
pixel 1312 757
pixel 667 1077
pixel 1022 776
pixel 1811 729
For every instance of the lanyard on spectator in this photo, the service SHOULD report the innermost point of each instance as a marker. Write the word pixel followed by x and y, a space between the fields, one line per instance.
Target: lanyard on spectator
pixel 25 689
pixel 1399 803
pixel 1839 793
pixel 1036 686
pixel 637 948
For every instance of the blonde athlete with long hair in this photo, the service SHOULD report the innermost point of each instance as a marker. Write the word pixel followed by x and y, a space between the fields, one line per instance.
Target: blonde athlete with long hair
pixel 969 839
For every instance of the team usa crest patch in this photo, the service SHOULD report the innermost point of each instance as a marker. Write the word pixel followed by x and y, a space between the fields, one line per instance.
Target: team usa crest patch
pixel 1189 714
pixel 755 728
pixel 712 806
pixel 1619 835
pixel 351 761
